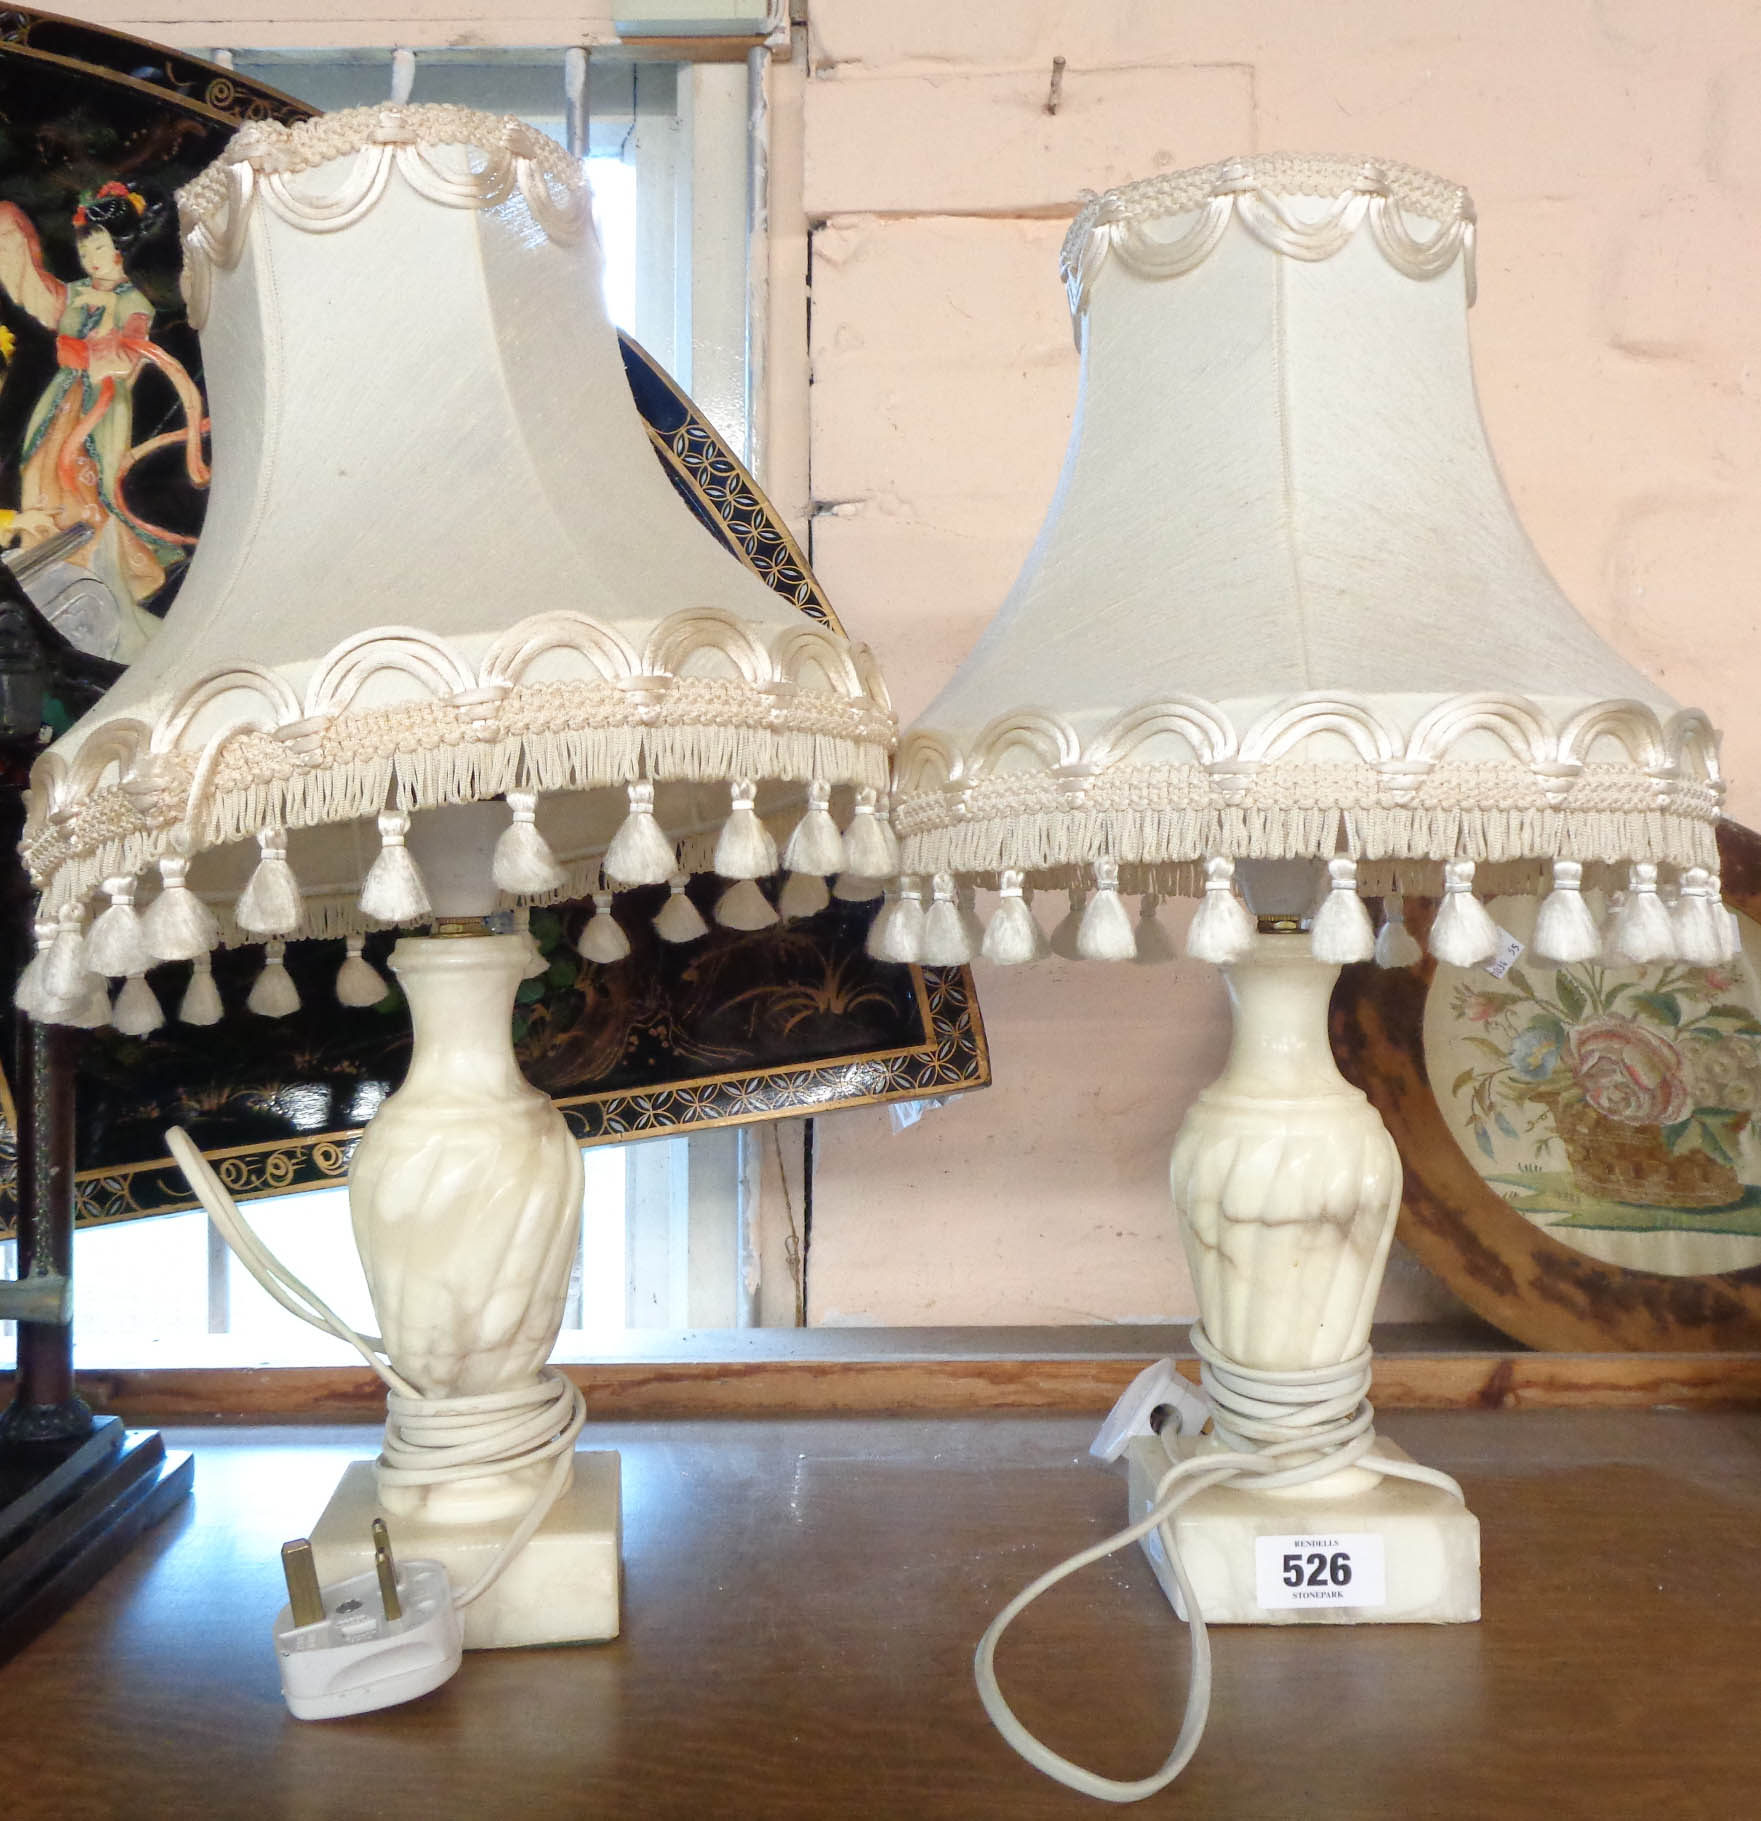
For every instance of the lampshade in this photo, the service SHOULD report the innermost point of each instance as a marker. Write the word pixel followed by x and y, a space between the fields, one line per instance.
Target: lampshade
pixel 440 565
pixel 1282 609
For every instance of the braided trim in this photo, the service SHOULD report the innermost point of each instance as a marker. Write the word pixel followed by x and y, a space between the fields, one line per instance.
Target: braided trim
pixel 1250 190
pixel 215 209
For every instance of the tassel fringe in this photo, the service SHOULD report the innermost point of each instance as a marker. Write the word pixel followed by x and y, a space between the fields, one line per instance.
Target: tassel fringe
pixel 137 1010
pixel 1462 933
pixel 358 981
pixel 201 998
pixel 1565 928
pixel 1342 931
pixel 1222 928
pixel 524 866
pixel 1012 937
pixel 745 850
pixel 116 947
pixel 679 920
pixel 602 936
pixel 393 890
pixel 897 933
pixel 871 849
pixel 1642 929
pixel 945 941
pixel 816 847
pixel 640 853
pixel 1396 945
pixel 1698 925
pixel 744 906
pixel 273 993
pixel 271 904
pixel 177 925
pixel 1105 933
pixel 1154 945
pixel 803 895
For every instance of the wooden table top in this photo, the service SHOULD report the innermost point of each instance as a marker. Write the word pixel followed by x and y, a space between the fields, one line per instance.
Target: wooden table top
pixel 802 1598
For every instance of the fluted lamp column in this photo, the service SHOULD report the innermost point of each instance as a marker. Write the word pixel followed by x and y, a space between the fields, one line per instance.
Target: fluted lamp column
pixel 450 646
pixel 1282 646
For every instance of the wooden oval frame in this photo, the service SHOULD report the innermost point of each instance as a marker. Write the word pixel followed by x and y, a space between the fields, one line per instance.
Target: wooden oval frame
pixel 1500 1264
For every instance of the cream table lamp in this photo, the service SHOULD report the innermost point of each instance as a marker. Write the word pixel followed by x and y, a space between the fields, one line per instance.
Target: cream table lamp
pixel 1283 645
pixel 450 645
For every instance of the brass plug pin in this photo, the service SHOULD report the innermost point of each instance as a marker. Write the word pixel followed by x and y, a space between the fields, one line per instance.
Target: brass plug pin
pixel 305 1602
pixel 386 1569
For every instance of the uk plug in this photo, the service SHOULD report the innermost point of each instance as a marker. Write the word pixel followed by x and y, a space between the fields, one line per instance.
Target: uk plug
pixel 368 1642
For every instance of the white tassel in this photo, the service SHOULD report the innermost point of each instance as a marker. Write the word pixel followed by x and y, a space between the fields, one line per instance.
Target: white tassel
pixel 1105 933
pixel 871 849
pixel 116 947
pixel 640 853
pixel 201 998
pixel 1565 927
pixel 966 900
pixel 945 942
pixel 1610 923
pixel 524 866
pixel 273 993
pixel 1222 928
pixel 270 905
pixel 744 906
pixel 29 994
pixel 393 890
pixel 1065 931
pixel 1042 944
pixel 358 981
pixel 745 849
pixel 602 937
pixel 1642 932
pixel 1396 945
pixel 535 963
pixel 91 1011
pixel 137 1010
pixel 897 933
pixel 66 978
pixel 1012 937
pixel 177 925
pixel 1698 921
pixel 679 920
pixel 857 888
pixel 803 895
pixel 1154 945
pixel 1342 931
pixel 816 846
pixel 1462 932
pixel 1730 934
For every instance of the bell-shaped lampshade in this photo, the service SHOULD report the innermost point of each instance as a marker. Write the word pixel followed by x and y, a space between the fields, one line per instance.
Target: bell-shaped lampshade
pixel 1282 609
pixel 441 564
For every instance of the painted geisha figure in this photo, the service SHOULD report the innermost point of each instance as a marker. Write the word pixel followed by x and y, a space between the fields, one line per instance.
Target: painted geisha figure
pixel 78 445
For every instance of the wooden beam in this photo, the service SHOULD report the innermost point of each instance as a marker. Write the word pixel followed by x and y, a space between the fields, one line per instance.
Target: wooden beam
pixel 820 1386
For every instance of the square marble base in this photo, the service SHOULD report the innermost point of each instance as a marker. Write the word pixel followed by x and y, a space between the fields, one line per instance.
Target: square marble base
pixel 1430 1545
pixel 562 1588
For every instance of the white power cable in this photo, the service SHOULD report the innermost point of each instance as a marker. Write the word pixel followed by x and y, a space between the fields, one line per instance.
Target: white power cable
pixel 429 1441
pixel 1276 1429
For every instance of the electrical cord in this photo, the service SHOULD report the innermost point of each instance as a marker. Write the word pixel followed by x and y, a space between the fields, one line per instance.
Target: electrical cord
pixel 1275 1429
pixel 429 1441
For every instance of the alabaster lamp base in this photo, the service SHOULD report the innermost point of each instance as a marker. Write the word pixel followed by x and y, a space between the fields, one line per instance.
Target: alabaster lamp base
pixel 562 1588
pixel 1394 1553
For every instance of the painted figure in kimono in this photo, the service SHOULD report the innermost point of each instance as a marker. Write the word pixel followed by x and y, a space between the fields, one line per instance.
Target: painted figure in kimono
pixel 78 445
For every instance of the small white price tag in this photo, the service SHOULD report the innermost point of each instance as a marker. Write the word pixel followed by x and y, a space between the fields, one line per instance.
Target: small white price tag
pixel 1319 1571
pixel 1508 953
